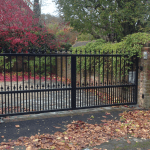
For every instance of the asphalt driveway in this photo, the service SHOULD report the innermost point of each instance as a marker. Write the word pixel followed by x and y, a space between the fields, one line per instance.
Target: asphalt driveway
pixel 14 129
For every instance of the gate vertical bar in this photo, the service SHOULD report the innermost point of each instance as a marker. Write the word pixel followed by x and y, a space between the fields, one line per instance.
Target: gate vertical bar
pixel 124 93
pixel 28 79
pixel 136 88
pixel 85 77
pixel 99 80
pixel 73 82
pixel 120 80
pixel 35 101
pixel 132 98
pixel 66 79
pixel 61 79
pixel 94 79
pixel 11 85
pixel 56 77
pixel 80 81
pixel 45 76
pixel 50 81
pixel 23 80
pixel 112 89
pixel 17 80
pixel 90 78
pixel 107 79
pixel 4 85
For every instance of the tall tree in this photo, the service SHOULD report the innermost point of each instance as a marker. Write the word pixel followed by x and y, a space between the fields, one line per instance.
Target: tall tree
pixel 36 9
pixel 112 18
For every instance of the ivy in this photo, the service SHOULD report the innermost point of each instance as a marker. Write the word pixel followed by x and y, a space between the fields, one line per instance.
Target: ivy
pixel 40 65
pixel 131 45
pixel 7 64
pixel 38 62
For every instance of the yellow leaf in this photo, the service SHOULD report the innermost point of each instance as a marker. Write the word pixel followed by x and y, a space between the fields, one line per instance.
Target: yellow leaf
pixel 35 140
pixel 17 126
pixel 53 147
pixel 66 138
pixel 58 138
pixel 63 141
pixel 92 116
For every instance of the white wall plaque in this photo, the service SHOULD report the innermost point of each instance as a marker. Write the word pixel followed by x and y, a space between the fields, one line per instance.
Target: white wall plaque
pixel 132 76
pixel 144 55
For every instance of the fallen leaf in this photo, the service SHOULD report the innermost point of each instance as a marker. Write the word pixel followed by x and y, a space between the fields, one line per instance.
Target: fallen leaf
pixel 104 116
pixel 57 127
pixel 35 140
pixel 58 138
pixel 53 147
pixel 66 138
pixel 29 148
pixel 97 128
pixel 17 126
pixel 128 141
pixel 108 113
pixel 60 143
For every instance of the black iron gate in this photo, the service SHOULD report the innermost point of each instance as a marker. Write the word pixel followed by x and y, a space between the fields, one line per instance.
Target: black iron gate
pixel 40 81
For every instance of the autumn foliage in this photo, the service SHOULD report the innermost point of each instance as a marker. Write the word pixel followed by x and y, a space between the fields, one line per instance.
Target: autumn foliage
pixel 63 32
pixel 18 27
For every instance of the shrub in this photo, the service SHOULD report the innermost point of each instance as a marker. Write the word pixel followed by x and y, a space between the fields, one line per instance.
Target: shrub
pixel 130 45
pixel 85 37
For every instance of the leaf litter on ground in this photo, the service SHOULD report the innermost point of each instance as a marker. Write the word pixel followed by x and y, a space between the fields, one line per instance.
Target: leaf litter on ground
pixel 80 134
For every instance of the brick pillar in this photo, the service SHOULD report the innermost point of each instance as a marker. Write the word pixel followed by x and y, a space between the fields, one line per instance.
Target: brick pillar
pixel 144 79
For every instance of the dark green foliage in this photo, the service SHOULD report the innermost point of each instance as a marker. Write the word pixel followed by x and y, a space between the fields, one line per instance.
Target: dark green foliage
pixel 110 20
pixel 130 45
pixel 66 46
pixel 40 65
pixel 85 37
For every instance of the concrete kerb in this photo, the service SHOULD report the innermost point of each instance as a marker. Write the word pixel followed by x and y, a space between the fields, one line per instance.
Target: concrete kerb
pixel 65 113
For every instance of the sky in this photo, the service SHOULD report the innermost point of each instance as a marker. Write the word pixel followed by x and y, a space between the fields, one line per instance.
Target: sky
pixel 48 7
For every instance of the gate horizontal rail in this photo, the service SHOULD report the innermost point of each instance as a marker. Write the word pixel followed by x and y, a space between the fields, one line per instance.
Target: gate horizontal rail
pixel 63 89
pixel 58 55
pixel 40 90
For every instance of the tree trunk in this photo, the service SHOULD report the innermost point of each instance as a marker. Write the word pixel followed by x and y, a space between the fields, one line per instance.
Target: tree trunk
pixel 36 9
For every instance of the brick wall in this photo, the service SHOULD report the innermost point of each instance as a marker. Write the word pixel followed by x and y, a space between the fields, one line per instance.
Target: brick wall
pixel 144 79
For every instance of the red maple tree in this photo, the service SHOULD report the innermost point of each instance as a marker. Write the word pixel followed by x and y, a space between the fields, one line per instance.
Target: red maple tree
pixel 18 27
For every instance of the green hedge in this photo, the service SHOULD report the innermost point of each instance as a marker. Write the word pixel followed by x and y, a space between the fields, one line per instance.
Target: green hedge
pixel 130 45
